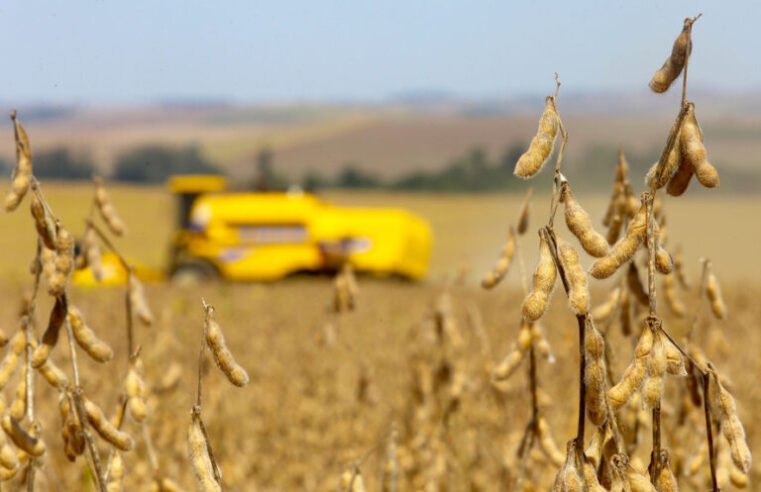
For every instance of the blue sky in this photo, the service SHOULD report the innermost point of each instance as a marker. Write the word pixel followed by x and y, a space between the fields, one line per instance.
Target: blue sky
pixel 137 51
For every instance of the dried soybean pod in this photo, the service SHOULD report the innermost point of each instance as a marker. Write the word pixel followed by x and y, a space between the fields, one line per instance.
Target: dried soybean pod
pixel 498 272
pixel 578 295
pixel 53 375
pixel 713 291
pixel 635 373
pixel 29 444
pixel 675 360
pixel 656 180
pixel 594 375
pixel 693 150
pixel 87 339
pixel 622 167
pixel 115 473
pixel 614 230
pixel 544 279
pixel 508 365
pixel 50 337
pixel 631 381
pixel 224 359
pixel 635 285
pixel 540 148
pixel 679 268
pixel 105 428
pixel 351 481
pixel 106 209
pixel 525 213
pixel 579 223
pixel 8 458
pixel 547 443
pixel 72 433
pixel 738 478
pixel 652 389
pixel 626 313
pixel 524 336
pixel 203 469
pixel 64 262
pixel 541 344
pixel 568 478
pixel 731 427
pixel 92 254
pixel 674 64
pixel 42 222
pixel 624 249
pixel 18 407
pixel 663 261
pixel 639 482
pixel 605 310
pixel 22 173
pixel 8 367
pixel 591 484
pixel 135 389
pixel 165 484
pixel 669 293
pixel 138 300
pixel 613 204
pixel 681 179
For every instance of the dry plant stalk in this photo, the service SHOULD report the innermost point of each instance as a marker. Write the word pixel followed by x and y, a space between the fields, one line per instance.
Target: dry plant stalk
pixel 207 472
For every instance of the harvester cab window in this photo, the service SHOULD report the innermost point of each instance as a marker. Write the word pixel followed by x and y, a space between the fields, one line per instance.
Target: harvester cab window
pixel 188 188
pixel 184 204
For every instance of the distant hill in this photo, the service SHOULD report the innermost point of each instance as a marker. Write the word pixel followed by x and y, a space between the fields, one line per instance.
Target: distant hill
pixel 414 131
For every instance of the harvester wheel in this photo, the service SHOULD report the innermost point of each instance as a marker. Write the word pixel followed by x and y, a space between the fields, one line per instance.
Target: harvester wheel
pixel 195 272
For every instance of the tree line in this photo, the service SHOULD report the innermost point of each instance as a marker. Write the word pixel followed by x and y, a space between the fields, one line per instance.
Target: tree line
pixel 147 164
pixel 474 171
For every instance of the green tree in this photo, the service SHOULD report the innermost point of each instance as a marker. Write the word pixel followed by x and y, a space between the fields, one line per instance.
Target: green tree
pixel 155 163
pixel 353 177
pixel 60 163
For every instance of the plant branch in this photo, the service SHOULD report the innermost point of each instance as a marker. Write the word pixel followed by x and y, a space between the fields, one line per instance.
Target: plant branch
pixel 709 433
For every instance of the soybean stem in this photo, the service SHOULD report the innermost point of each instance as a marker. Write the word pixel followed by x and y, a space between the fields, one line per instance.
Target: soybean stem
pixel 709 434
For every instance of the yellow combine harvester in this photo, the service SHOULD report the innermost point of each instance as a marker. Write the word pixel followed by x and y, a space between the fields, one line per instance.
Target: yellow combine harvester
pixel 266 236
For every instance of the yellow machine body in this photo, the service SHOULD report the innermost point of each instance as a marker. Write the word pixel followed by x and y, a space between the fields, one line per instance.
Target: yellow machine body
pixel 264 236
pixel 267 236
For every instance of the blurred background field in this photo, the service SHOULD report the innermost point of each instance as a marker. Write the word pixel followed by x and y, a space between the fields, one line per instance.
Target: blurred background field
pixel 468 228
pixel 395 104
